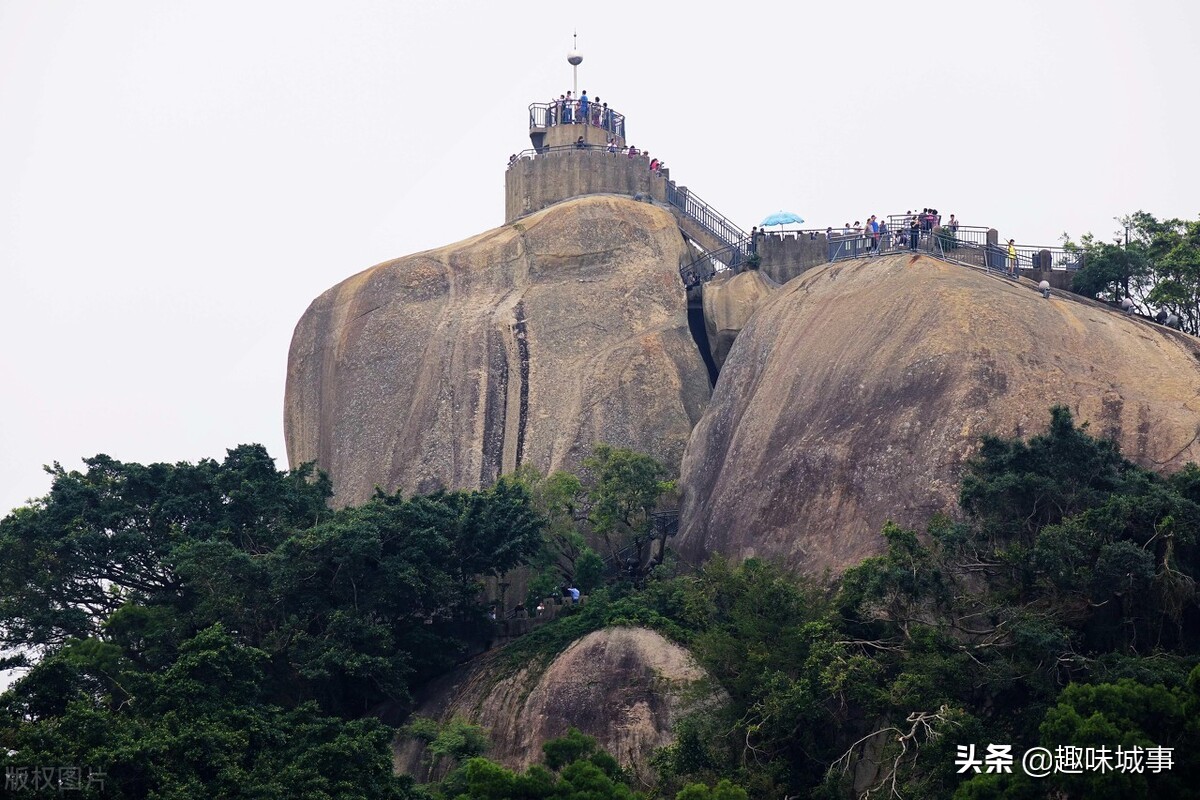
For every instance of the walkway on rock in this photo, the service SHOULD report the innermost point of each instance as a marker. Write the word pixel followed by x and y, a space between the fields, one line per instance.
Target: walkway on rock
pixel 969 245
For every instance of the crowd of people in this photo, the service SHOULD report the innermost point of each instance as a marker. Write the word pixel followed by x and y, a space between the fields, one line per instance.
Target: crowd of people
pixel 615 147
pixel 909 229
pixel 912 228
pixel 568 110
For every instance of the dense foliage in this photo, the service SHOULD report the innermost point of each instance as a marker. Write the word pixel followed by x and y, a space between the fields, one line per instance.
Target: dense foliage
pixel 597 524
pixel 215 629
pixel 1063 599
pixel 210 626
pixel 1155 263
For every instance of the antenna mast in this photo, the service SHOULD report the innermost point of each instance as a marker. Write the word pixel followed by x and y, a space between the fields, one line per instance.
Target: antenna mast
pixel 574 59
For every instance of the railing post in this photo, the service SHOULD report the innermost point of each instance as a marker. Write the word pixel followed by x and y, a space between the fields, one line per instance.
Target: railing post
pixel 991 249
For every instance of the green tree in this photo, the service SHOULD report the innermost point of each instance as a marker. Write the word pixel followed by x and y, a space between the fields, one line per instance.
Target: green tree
pixel 1071 564
pixel 1129 716
pixel 589 571
pixel 1114 271
pixel 388 594
pixel 223 612
pixel 624 490
pixel 199 727
pixel 110 535
pixel 1174 246
pixel 1156 263
pixel 567 749
pixel 564 557
pixel 724 790
pixel 458 740
pixel 581 771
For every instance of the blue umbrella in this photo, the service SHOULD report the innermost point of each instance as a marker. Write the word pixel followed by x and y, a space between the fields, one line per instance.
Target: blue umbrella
pixel 782 218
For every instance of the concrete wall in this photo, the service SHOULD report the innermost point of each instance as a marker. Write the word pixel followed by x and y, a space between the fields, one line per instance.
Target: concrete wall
pixel 786 255
pixel 543 180
pixel 539 181
pixel 563 135
pixel 1057 278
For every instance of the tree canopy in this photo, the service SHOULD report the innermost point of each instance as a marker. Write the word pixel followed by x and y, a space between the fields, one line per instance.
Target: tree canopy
pixel 1155 263
pixel 223 610
pixel 215 629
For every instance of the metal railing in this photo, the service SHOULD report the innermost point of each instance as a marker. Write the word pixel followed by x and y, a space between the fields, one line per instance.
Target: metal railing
pixel 962 244
pixel 857 245
pixel 972 234
pixel 1060 258
pixel 966 233
pixel 707 217
pixel 942 243
pixel 548 115
pixel 897 221
pixel 531 152
pixel 714 262
pixel 795 233
pixel 992 258
pixel 665 524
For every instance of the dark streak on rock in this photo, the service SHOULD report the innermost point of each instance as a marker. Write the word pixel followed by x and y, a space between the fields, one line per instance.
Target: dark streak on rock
pixel 990 381
pixel 523 352
pixel 1143 433
pixel 495 411
pixel 1111 406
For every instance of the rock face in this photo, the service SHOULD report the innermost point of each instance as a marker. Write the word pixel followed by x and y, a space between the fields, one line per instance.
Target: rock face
pixel 526 344
pixel 856 392
pixel 729 302
pixel 624 686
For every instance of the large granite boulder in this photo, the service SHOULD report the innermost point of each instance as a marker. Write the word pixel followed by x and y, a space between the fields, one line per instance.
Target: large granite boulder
pixel 526 344
pixel 729 302
pixel 625 686
pixel 856 392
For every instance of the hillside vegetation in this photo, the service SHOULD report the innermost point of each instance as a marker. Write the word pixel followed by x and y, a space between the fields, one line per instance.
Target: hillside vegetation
pixel 215 630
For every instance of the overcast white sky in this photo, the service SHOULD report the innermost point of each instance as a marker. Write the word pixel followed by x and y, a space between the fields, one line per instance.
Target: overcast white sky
pixel 179 180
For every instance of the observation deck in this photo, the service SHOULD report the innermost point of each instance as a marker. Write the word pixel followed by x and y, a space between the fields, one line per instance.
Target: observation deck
pixel 573 156
pixel 561 124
